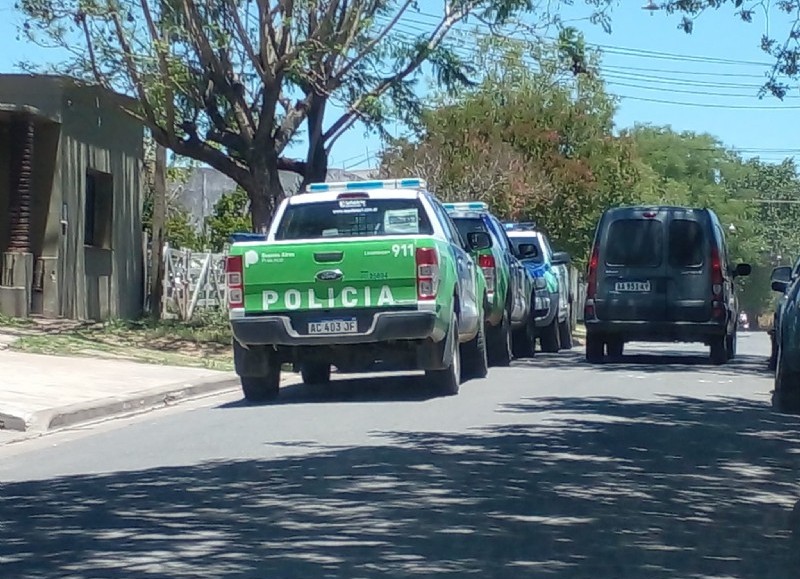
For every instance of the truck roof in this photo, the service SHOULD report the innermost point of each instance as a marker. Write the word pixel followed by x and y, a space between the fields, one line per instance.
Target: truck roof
pixel 321 197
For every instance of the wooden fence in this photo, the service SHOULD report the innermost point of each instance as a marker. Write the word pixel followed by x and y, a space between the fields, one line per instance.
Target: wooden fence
pixel 193 281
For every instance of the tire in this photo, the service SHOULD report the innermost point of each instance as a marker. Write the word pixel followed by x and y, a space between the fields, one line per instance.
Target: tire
pixel 772 364
pixel 499 342
pixel 730 345
pixel 474 359
pixel 549 338
pixel 595 349
pixel 316 373
pixel 718 353
pixel 261 388
pixel 523 341
pixel 786 396
pixel 615 347
pixel 448 380
pixel 565 334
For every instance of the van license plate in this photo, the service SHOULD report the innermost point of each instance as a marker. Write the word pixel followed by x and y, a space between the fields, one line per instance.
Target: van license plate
pixel 633 286
pixel 333 327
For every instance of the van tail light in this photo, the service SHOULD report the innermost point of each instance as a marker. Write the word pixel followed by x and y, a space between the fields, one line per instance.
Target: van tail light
pixel 427 273
pixel 717 281
pixel 591 284
pixel 234 281
pixel 488 265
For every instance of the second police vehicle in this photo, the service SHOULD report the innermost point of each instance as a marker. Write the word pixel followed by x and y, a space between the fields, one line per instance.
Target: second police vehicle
pixel 511 328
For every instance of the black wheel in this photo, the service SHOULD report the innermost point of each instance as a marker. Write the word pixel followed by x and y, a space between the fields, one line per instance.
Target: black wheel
pixel 718 351
pixel 549 338
pixel 448 380
pixel 499 342
pixel 614 347
pixel 565 334
pixel 474 360
pixel 259 370
pixel 730 345
pixel 786 396
pixel 772 363
pixel 523 342
pixel 595 348
pixel 261 388
pixel 316 373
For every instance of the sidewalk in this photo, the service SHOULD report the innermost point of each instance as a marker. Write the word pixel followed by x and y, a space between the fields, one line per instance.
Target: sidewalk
pixel 40 393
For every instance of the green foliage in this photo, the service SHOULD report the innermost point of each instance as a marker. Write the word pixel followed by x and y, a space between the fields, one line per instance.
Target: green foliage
pixel 231 215
pixel 533 144
pixel 785 50
pixel 231 84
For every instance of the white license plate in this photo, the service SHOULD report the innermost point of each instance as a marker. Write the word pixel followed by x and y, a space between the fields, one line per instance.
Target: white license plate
pixel 333 327
pixel 633 286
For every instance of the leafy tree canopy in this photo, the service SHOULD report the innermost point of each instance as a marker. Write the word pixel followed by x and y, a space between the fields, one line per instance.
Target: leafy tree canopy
pixel 230 82
pixel 784 50
pixel 534 143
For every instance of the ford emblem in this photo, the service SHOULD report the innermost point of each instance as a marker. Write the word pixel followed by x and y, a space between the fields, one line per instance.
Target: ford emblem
pixel 330 275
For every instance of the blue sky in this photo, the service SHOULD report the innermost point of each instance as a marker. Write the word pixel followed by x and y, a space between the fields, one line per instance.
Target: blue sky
pixel 704 82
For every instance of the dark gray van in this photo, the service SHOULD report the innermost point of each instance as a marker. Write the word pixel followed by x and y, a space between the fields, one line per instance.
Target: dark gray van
pixel 660 274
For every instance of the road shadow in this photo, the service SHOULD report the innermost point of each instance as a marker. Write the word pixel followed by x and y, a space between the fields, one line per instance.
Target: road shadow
pixel 355 389
pixel 577 488
pixel 662 361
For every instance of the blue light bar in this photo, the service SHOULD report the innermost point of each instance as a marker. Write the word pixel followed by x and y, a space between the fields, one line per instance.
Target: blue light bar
pixel 466 206
pixel 523 226
pixel 409 183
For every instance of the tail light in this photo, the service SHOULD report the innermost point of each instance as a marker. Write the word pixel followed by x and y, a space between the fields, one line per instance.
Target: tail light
pixel 717 297
pixel 427 273
pixel 487 264
pixel 234 281
pixel 591 284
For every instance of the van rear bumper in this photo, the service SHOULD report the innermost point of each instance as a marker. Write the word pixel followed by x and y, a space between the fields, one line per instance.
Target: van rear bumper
pixel 386 326
pixel 657 331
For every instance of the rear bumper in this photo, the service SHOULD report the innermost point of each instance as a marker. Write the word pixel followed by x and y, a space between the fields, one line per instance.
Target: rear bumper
pixel 386 326
pixel 657 331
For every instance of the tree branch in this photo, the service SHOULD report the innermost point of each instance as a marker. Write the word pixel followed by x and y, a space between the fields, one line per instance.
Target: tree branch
pixel 351 116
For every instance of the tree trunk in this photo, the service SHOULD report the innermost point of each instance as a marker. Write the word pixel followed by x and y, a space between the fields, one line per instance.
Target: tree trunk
pixel 265 191
pixel 317 158
pixel 158 233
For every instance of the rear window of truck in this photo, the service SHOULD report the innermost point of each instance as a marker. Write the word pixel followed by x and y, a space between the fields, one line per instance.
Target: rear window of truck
pixel 686 243
pixel 354 218
pixel 634 243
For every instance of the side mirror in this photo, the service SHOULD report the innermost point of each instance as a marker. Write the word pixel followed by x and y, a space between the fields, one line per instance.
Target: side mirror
pixel 478 240
pixel 561 258
pixel 779 286
pixel 528 250
pixel 783 273
pixel 742 270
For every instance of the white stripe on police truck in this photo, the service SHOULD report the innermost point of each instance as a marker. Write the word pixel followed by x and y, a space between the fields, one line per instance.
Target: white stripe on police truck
pixel 350 298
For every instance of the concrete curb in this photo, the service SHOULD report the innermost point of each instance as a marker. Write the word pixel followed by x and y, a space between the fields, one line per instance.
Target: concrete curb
pixel 117 406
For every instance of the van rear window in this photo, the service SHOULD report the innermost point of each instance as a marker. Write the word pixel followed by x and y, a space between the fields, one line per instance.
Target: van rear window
pixel 685 243
pixel 354 218
pixel 634 243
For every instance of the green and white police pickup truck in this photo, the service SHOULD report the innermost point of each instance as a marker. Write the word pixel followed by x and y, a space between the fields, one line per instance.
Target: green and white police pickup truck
pixel 354 275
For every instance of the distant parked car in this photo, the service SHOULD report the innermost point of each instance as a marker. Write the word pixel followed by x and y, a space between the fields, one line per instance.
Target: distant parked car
pixel 661 274
pixel 781 278
pixel 786 395
pixel 550 270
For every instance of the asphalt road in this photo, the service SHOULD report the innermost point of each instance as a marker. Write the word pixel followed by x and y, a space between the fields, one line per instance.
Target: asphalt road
pixel 659 466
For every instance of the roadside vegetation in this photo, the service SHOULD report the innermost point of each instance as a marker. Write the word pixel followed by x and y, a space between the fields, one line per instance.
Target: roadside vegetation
pixel 202 343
